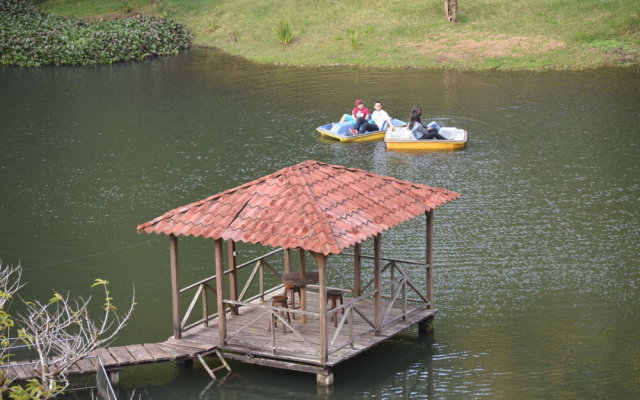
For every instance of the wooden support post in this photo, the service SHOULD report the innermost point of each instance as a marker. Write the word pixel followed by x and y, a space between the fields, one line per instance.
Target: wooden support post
pixel 377 261
pixel 429 258
pixel 233 275
pixel 303 289
pixel 205 306
pixel 287 261
pixel 325 378
pixel 175 286
pixel 114 376
pixel 357 271
pixel 322 282
pixel 303 263
pixel 222 315
pixel 425 326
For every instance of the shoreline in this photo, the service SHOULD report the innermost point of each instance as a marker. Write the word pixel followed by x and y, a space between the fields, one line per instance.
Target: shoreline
pixel 526 36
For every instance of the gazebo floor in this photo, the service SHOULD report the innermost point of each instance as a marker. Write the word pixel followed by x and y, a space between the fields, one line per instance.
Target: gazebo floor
pixel 249 338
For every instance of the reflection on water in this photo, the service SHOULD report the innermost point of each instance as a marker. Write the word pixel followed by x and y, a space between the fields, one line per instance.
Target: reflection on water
pixel 536 279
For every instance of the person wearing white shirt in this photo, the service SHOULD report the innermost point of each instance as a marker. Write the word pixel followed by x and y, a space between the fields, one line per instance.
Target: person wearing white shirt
pixel 379 117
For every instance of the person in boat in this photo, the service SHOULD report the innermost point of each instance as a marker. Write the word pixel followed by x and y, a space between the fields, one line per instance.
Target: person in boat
pixel 418 130
pixel 360 114
pixel 378 119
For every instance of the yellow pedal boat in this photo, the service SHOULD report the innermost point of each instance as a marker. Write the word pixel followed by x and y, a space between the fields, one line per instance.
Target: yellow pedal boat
pixel 403 139
pixel 342 131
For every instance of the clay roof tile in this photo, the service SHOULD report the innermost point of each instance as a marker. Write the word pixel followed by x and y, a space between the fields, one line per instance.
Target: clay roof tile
pixel 317 206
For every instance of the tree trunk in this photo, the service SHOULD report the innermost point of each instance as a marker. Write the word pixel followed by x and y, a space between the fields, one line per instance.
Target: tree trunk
pixel 451 10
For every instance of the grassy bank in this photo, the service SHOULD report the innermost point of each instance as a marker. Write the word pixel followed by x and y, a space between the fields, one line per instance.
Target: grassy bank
pixel 490 34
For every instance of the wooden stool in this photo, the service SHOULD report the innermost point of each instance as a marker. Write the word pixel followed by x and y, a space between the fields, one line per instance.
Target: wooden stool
pixel 293 289
pixel 334 296
pixel 280 301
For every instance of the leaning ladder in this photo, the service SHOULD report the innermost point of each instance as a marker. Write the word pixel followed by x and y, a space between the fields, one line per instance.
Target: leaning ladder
pixel 212 372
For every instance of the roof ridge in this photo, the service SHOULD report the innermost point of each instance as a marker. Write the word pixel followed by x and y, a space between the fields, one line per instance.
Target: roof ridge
pixel 318 211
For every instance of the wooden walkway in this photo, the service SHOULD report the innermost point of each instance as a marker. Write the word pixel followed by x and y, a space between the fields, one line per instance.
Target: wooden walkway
pixel 250 340
pixel 115 358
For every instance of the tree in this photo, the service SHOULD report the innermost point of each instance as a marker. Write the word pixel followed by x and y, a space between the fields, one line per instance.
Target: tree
pixel 10 277
pixel 61 332
pixel 451 10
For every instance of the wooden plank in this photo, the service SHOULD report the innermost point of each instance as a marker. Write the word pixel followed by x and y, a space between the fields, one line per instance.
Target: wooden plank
pixel 181 350
pixel 139 353
pixel 106 358
pixel 11 373
pixel 121 355
pixel 192 344
pixel 22 373
pixel 314 369
pixel 74 369
pixel 290 356
pixel 157 352
pixel 176 353
pixel 85 366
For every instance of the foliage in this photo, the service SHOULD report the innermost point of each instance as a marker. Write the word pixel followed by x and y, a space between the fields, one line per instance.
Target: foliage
pixel 35 390
pixel 28 37
pixel 284 31
pixel 354 37
pixel 60 331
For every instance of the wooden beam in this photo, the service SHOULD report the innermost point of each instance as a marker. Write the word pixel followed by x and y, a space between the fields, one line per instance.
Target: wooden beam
pixel 377 261
pixel 222 320
pixel 293 366
pixel 429 258
pixel 322 283
pixel 175 285
pixel 233 275
pixel 357 271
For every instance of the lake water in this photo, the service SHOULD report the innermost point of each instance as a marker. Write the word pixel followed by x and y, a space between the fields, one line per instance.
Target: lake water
pixel 537 272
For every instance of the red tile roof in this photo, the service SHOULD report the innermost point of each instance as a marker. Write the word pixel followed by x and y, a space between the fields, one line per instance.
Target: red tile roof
pixel 313 205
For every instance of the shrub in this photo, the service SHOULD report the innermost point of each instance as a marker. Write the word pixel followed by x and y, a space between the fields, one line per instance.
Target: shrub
pixel 354 37
pixel 28 37
pixel 284 31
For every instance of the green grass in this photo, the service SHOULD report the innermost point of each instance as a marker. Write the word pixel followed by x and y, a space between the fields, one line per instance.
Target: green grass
pixel 490 34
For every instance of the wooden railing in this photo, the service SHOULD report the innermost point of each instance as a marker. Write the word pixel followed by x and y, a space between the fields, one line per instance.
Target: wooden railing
pixel 397 286
pixel 397 283
pixel 208 284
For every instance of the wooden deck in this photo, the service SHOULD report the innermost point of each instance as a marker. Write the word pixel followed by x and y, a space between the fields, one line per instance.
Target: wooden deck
pixel 251 340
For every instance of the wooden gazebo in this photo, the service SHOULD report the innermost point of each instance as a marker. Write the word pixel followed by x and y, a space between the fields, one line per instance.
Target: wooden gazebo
pixel 310 207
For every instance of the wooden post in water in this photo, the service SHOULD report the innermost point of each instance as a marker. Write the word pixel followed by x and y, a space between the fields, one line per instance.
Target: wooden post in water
pixel 322 282
pixel 377 261
pixel 222 316
pixel 233 275
pixel 175 285
pixel 357 271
